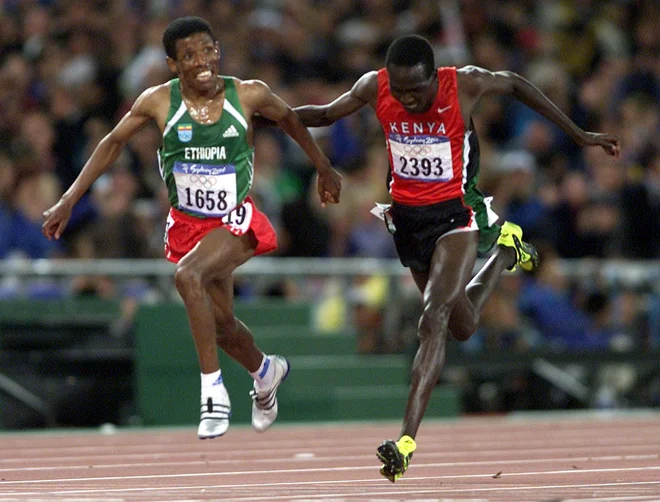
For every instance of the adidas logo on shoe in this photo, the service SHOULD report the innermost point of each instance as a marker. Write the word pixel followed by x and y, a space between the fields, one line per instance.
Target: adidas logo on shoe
pixel 231 132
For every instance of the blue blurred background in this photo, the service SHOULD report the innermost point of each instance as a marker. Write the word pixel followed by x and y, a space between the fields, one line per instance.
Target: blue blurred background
pixel 584 331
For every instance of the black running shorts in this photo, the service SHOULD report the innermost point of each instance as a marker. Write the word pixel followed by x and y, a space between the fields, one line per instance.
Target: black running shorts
pixel 418 228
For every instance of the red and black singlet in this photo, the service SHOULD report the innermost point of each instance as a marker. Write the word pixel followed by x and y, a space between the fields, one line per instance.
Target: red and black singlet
pixel 429 152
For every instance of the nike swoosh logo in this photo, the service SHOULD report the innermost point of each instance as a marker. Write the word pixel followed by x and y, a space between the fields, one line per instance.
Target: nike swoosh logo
pixel 442 110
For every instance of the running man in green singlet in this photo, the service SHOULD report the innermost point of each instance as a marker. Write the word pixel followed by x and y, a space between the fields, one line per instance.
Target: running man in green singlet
pixel 206 161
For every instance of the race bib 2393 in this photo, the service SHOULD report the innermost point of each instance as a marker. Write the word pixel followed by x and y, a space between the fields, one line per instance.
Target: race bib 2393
pixel 421 157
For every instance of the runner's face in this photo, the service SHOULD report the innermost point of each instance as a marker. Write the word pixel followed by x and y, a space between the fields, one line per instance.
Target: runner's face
pixel 198 61
pixel 411 87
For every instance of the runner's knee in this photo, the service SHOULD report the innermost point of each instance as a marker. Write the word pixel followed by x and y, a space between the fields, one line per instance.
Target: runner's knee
pixel 433 322
pixel 188 280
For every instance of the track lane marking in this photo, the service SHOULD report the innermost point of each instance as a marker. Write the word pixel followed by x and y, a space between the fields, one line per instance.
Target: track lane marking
pixel 603 458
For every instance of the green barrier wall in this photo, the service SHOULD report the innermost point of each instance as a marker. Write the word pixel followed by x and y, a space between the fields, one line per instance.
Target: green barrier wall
pixel 328 381
pixel 67 354
pixel 64 363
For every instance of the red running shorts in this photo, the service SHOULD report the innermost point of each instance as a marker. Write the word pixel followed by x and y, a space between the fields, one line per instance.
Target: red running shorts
pixel 183 232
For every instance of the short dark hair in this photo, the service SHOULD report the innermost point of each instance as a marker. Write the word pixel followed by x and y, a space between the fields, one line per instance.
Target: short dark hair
pixel 411 50
pixel 181 28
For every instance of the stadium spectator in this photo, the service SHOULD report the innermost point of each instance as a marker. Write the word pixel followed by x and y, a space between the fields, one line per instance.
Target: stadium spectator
pixel 67 75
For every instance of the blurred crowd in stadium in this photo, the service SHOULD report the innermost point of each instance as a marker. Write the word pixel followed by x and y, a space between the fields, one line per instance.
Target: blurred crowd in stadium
pixel 69 69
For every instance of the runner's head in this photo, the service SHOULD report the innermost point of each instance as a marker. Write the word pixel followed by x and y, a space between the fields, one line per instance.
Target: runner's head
pixel 193 53
pixel 411 67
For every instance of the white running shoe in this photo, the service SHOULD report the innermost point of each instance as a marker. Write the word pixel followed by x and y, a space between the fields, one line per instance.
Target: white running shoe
pixel 264 402
pixel 215 412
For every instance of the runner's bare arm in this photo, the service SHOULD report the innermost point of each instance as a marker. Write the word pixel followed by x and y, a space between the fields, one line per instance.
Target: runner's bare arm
pixel 474 82
pixel 272 107
pixel 109 148
pixel 104 155
pixel 363 92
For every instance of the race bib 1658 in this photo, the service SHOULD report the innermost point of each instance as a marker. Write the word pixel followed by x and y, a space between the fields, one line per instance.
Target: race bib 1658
pixel 209 190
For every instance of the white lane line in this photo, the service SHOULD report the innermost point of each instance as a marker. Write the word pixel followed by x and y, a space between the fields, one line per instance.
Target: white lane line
pixel 127 438
pixel 400 494
pixel 388 491
pixel 9 442
pixel 320 459
pixel 209 454
pixel 614 499
pixel 303 483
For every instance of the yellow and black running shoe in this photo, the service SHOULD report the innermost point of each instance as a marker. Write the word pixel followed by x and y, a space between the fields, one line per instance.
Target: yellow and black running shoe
pixel 396 456
pixel 526 255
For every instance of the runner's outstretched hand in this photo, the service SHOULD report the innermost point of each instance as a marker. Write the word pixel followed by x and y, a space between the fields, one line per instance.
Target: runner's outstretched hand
pixel 608 142
pixel 56 219
pixel 328 185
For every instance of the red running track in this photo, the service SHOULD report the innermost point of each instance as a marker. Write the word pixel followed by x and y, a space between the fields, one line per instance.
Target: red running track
pixel 517 458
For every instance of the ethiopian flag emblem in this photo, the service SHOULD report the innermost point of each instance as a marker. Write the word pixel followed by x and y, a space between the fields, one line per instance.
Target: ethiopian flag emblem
pixel 184 131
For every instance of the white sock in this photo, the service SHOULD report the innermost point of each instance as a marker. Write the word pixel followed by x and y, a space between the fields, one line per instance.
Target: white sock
pixel 211 379
pixel 264 375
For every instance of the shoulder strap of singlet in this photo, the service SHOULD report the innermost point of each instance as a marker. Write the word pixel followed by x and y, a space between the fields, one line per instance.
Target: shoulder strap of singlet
pixel 177 106
pixel 232 103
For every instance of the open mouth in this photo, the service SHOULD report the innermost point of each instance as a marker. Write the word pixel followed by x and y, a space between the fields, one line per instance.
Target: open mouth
pixel 204 76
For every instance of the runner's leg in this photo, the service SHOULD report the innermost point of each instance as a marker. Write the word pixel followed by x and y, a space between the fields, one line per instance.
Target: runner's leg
pixel 464 318
pixel 232 335
pixel 215 257
pixel 451 266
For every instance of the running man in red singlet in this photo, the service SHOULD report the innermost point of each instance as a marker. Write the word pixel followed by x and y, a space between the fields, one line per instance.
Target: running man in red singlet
pixel 438 218
pixel 206 161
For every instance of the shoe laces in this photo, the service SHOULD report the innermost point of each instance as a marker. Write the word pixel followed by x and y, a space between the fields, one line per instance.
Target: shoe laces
pixel 212 406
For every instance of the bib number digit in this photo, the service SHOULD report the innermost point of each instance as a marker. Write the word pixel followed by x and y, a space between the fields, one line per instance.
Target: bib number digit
pixel 426 167
pixel 240 218
pixel 222 200
pixel 236 217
